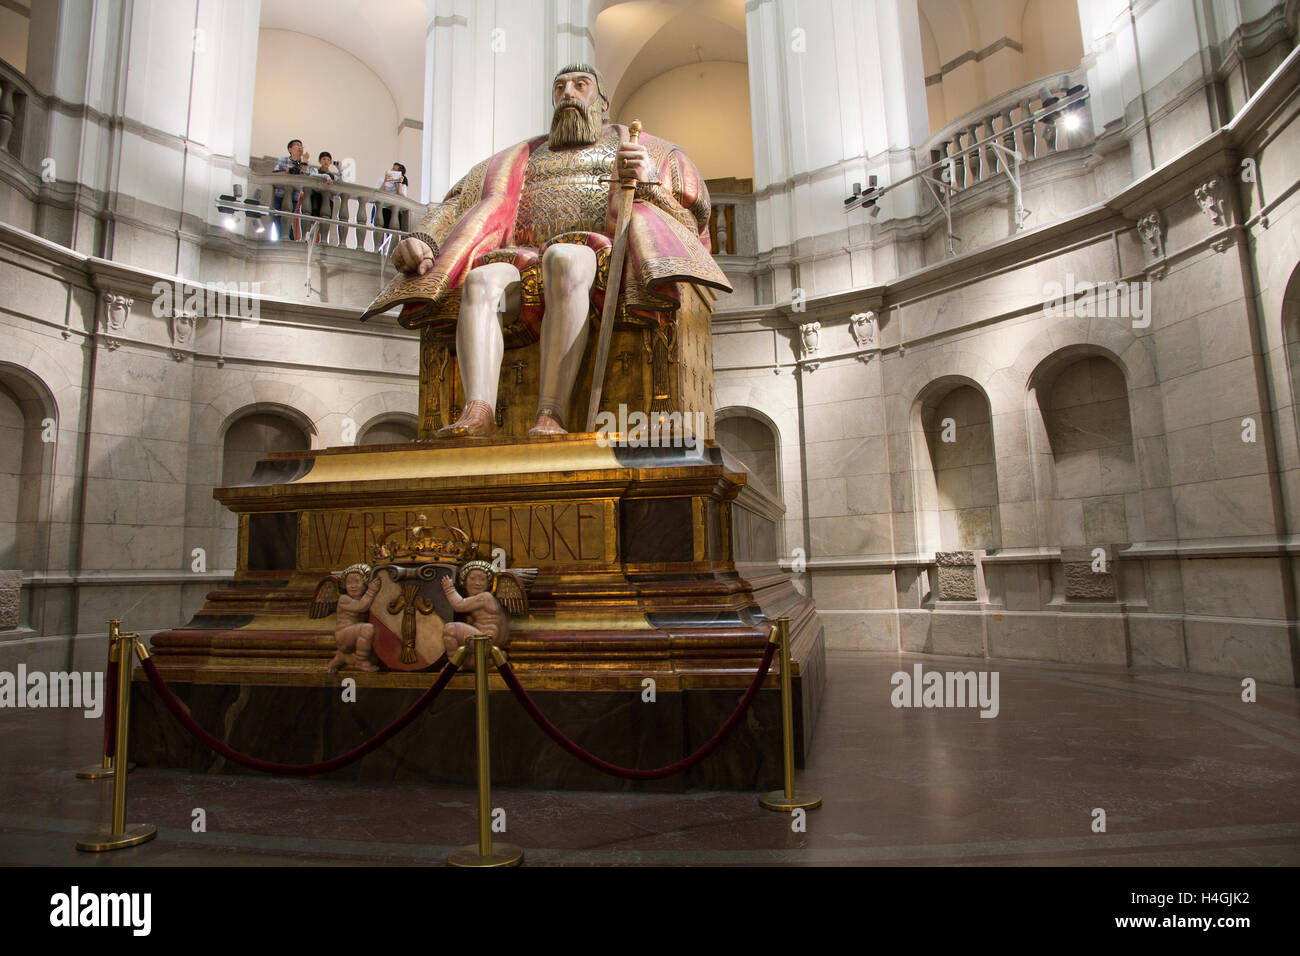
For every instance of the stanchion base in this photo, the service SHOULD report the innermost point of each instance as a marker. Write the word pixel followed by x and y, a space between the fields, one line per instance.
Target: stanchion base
pixel 503 854
pixel 135 833
pixel 99 773
pixel 802 800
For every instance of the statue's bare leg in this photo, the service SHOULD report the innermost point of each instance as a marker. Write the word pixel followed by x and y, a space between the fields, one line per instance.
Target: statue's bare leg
pixel 568 270
pixel 479 347
pixel 365 659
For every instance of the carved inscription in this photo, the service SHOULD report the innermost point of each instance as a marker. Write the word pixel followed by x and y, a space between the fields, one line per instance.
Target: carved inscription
pixel 533 535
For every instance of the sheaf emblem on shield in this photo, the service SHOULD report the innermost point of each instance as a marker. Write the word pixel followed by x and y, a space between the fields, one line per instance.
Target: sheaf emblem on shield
pixel 408 614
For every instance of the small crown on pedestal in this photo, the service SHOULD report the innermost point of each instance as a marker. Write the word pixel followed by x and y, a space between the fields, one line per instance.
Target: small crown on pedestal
pixel 422 544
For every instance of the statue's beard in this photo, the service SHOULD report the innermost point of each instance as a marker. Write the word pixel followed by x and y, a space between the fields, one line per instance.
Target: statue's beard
pixel 574 124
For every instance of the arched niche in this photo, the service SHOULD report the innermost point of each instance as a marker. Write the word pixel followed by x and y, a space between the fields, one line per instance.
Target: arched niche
pixel 392 429
pixel 28 433
pixel 1082 445
pixel 751 437
pixel 249 437
pixel 955 464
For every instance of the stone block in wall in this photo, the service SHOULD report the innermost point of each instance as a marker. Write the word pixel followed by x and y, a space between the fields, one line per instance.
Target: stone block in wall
pixel 957 575
pixel 1084 584
pixel 1085 579
pixel 957 633
pixel 1092 639
pixel 1156 640
pixel 11 585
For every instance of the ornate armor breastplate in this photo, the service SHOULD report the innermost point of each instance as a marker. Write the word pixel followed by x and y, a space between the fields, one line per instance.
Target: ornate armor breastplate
pixel 563 191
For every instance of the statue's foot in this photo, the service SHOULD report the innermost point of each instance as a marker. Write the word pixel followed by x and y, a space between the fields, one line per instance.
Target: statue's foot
pixel 336 663
pixel 478 419
pixel 547 424
pixel 370 666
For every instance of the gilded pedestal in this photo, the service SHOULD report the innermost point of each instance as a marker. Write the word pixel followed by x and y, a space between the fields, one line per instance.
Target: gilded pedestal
pixel 654 564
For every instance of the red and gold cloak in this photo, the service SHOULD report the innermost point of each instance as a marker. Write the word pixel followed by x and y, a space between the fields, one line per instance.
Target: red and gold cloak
pixel 668 242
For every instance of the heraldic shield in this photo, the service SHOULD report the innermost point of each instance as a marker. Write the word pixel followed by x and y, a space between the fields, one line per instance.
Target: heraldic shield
pixel 408 614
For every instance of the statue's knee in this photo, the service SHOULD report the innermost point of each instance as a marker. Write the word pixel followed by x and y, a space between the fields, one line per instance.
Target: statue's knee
pixel 569 266
pixel 479 289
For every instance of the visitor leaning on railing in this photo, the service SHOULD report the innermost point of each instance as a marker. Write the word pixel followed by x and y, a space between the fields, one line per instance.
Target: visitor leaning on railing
pixel 395 182
pixel 295 164
pixel 326 170
pixel 351 215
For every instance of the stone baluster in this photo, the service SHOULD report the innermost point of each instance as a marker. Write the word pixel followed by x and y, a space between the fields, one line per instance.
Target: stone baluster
pixel 975 157
pixel 335 204
pixel 370 216
pixel 1024 134
pixel 352 205
pixel 1008 120
pixel 949 155
pixel 7 112
pixel 995 161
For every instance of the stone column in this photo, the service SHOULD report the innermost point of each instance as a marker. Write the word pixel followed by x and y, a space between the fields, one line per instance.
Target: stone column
pixel 150 118
pixel 837 93
pixel 487 79
pixel 1140 78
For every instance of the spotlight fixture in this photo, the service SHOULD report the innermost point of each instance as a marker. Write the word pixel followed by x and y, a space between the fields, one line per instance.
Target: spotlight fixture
pixel 864 198
pixel 252 204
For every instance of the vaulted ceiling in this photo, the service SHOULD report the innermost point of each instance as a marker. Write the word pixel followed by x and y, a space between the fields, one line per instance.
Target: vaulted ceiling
pixel 637 40
pixel 386 35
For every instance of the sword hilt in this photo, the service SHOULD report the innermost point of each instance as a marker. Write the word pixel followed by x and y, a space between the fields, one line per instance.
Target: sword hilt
pixel 633 136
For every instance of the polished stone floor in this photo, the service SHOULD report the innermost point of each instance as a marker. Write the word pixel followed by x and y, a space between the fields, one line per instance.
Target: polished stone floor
pixel 1186 773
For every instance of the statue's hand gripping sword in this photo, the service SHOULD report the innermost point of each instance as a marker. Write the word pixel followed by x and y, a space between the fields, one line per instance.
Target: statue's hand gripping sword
pixel 623 206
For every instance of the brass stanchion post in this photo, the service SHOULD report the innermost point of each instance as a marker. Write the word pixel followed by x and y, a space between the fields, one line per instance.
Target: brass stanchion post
pixel 121 834
pixel 105 768
pixel 484 853
pixel 788 798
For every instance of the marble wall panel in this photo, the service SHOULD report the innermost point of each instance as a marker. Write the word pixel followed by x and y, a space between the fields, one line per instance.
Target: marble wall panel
pixel 1157 641
pixel 1092 639
pixel 1240 649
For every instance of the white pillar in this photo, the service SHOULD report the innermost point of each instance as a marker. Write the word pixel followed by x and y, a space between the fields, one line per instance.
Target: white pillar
pixel 179 74
pixel 837 93
pixel 1140 79
pixel 488 79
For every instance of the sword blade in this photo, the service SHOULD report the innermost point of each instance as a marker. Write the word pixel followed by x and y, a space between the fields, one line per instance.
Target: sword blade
pixel 609 311
pixel 612 286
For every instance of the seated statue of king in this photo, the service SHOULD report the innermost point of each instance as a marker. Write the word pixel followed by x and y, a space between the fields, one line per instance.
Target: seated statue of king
pixel 525 238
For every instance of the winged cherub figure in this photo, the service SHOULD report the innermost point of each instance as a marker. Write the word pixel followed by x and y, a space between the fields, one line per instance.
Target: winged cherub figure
pixel 489 600
pixel 353 632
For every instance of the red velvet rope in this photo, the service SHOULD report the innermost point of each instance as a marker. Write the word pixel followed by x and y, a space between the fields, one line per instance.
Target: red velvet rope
pixel 110 711
pixel 628 773
pixel 292 769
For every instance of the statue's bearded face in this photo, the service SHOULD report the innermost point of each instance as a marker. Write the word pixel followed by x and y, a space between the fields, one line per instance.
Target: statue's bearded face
pixel 579 111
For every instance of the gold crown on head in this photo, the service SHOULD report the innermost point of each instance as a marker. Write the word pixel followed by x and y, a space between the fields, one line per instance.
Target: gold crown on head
pixel 421 543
